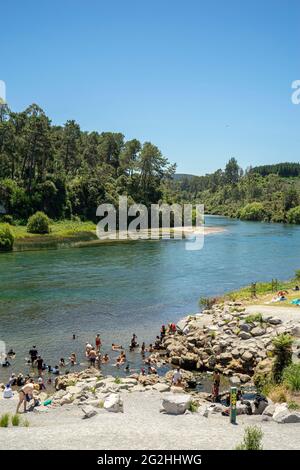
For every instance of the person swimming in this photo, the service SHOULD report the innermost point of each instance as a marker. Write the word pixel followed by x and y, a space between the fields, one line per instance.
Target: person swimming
pixel 105 358
pixel 116 347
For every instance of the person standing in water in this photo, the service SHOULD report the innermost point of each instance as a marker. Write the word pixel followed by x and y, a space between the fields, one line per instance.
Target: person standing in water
pixel 39 363
pixel 98 342
pixel 33 354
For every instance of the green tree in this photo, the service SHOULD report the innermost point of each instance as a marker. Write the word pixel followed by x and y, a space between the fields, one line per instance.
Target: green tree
pixel 253 211
pixel 38 223
pixel 6 238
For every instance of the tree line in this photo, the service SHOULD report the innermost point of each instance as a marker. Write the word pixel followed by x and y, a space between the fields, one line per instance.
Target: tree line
pixel 268 193
pixel 66 172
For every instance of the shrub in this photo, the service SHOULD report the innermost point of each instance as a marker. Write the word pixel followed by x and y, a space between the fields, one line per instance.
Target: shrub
pixel 15 420
pixel 252 439
pixel 38 223
pixel 292 405
pixel 6 238
pixel 4 420
pixel 101 404
pixel 291 377
pixel 253 211
pixel 25 423
pixel 7 219
pixel 293 215
pixel 283 355
pixel 256 317
pixel 193 407
pixel 207 302
pixel 278 393
pixel 118 380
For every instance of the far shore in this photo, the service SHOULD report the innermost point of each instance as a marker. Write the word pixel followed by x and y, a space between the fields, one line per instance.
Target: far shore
pixel 80 235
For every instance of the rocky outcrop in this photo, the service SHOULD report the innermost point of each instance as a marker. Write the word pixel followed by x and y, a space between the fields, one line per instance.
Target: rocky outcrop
pixel 224 338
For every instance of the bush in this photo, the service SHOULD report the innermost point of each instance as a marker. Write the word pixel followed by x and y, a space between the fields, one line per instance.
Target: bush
pixel 292 405
pixel 207 302
pixel 283 355
pixel 252 439
pixel 253 211
pixel 277 393
pixel 291 377
pixel 255 317
pixel 297 274
pixel 293 215
pixel 193 407
pixel 4 420
pixel 6 238
pixel 7 219
pixel 38 223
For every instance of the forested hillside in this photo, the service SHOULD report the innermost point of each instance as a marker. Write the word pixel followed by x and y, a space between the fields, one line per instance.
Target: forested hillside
pixel 269 193
pixel 67 172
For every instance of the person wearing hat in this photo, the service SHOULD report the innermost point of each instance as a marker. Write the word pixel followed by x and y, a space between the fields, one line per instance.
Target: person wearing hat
pixel 7 392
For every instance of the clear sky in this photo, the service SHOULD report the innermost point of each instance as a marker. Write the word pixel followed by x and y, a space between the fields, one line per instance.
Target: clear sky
pixel 203 80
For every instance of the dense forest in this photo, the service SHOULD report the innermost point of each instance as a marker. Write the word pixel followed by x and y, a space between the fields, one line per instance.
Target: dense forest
pixel 269 193
pixel 66 172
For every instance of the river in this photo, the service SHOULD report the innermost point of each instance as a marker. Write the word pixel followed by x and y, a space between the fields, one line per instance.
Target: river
pixel 118 289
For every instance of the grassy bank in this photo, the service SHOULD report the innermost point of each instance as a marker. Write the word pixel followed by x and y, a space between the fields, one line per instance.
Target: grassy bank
pixel 263 292
pixel 62 233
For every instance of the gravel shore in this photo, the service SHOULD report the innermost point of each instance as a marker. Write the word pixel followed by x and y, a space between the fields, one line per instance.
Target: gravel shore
pixel 141 426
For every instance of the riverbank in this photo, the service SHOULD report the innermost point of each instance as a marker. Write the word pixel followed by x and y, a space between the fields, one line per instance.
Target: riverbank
pixel 95 412
pixel 81 234
pixel 230 337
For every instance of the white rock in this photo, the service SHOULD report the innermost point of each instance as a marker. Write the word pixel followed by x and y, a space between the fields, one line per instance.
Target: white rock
pixel 283 415
pixel 175 403
pixel 113 403
pixel 161 387
pixel 88 411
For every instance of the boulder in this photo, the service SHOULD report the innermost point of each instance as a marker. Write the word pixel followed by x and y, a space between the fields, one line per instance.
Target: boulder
pixel 176 403
pixel 225 357
pixel 235 380
pixel 244 335
pixel 66 399
pixel 114 403
pixel 245 327
pixel 283 415
pixel 88 411
pixel 273 321
pixel 161 387
pixel 247 356
pixel 269 410
pixel 258 331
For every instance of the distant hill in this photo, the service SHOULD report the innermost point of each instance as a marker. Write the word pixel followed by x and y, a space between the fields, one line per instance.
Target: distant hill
pixel 180 176
pixel 286 169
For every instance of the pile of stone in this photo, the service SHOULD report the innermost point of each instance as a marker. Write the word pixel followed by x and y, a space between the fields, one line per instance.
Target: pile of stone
pixel 223 338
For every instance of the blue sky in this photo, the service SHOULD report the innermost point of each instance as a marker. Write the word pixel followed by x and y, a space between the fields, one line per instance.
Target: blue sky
pixel 203 80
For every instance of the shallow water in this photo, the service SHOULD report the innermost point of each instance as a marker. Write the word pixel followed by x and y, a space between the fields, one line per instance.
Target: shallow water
pixel 118 289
